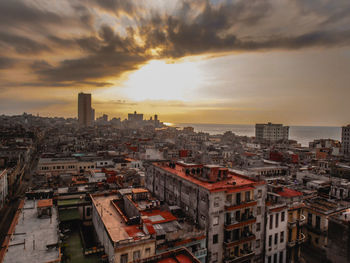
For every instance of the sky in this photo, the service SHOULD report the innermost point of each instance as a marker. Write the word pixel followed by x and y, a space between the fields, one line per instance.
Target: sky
pixel 189 61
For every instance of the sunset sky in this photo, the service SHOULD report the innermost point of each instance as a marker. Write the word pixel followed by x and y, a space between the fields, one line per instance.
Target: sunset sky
pixel 193 61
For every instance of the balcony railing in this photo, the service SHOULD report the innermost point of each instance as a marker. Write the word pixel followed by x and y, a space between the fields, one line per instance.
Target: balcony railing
pixel 200 253
pixel 250 202
pixel 243 218
pixel 302 220
pixel 291 243
pixel 245 237
pixel 243 257
pixel 302 238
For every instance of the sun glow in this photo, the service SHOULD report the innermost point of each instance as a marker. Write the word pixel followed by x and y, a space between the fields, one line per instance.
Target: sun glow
pixel 159 80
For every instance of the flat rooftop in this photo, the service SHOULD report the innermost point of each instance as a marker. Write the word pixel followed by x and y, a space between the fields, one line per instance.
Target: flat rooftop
pixel 114 223
pixel 32 235
pixel 233 181
pixel 57 160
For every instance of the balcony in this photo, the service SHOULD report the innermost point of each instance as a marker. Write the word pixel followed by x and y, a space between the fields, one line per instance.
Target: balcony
pixel 292 224
pixel 302 220
pixel 302 238
pixel 315 230
pixel 291 243
pixel 229 206
pixel 200 253
pixel 238 222
pixel 247 254
pixel 245 237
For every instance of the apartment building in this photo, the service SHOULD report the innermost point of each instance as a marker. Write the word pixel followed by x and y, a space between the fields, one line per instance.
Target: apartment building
pixel 276 232
pixel 56 166
pixel 3 188
pixel 345 140
pixel 295 219
pixel 123 242
pixel 271 132
pixel 223 203
pixel 317 212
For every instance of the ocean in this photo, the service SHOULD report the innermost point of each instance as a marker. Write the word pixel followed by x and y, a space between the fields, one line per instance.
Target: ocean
pixel 302 134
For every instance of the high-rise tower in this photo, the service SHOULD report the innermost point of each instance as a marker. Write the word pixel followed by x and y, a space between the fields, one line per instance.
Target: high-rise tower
pixel 84 109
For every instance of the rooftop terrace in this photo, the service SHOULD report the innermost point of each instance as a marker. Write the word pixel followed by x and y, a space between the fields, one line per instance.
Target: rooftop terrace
pixel 232 182
pixel 33 239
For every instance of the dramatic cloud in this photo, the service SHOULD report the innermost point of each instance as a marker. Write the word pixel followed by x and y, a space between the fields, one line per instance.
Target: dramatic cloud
pixel 94 39
pixel 85 44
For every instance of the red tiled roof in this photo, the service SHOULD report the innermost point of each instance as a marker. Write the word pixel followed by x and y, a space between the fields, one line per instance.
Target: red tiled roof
pixel 287 192
pixel 183 259
pixel 133 231
pixel 224 185
pixel 150 229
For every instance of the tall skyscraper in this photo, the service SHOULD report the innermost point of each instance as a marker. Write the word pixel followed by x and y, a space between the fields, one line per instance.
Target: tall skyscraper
pixel 84 109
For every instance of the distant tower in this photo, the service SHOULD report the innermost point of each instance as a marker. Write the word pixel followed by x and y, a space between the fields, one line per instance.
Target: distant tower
pixel 92 115
pixel 345 140
pixel 84 109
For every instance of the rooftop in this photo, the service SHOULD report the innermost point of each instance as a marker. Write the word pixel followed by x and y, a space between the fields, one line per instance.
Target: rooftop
pixel 287 192
pixel 181 255
pixel 33 239
pixel 232 182
pixel 113 221
pixel 323 205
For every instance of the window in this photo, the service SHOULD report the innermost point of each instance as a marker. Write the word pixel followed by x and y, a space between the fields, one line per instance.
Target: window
pixel 124 258
pixel 269 259
pixel 257 244
pixel 229 198
pixel 215 257
pixel 270 240
pixel 238 198
pixel 309 219
pixel 276 220
pixel 283 214
pixel 318 222
pixel 276 238
pixel 258 226
pixel 281 257
pixel 258 211
pixel 282 237
pixel 247 196
pixel 148 251
pixel 88 211
pixel 136 255
pixel 259 193
pixel 271 221
pixel 216 201
pixel 316 240
pixel 215 239
pixel 215 220
pixel 275 258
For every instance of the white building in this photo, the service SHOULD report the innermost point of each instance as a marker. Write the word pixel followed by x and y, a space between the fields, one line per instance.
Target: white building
pixel 276 233
pixel 271 132
pixel 3 188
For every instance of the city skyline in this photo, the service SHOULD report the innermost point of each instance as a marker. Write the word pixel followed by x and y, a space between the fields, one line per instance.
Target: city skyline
pixel 190 61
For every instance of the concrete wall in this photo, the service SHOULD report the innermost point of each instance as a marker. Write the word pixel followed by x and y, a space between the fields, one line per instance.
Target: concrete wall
pixel 280 247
